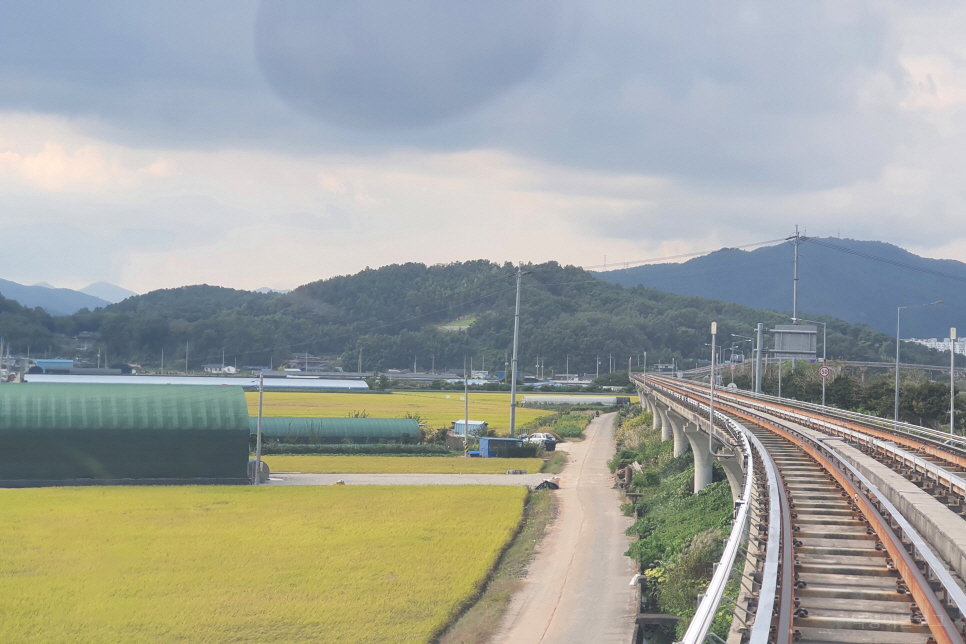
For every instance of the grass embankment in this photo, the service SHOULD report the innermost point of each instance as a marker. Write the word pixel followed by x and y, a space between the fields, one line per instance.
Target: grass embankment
pixel 481 620
pixel 325 464
pixel 436 409
pixel 243 564
pixel 679 532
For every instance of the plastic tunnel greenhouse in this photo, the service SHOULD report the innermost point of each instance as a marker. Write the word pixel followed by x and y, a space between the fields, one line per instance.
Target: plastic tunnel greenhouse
pixel 108 432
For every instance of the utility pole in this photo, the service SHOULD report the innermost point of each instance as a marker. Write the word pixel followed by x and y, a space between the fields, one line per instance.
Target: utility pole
pixel 360 361
pixel 258 430
pixel 714 332
pixel 185 359
pixel 952 380
pixel 598 366
pixel 466 407
pixel 795 288
pixel 758 351
pixel 516 344
pixel 644 373
pixel 162 361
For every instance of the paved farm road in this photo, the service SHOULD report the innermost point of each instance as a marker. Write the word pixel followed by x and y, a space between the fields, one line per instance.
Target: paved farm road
pixel 576 590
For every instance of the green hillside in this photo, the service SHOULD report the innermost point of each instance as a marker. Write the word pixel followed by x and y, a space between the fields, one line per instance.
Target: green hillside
pixel 393 315
pixel 857 281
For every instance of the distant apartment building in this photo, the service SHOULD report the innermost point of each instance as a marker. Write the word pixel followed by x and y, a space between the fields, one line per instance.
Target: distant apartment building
pixel 941 345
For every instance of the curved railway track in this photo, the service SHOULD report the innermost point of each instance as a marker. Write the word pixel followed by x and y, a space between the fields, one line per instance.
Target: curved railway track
pixel 836 560
pixel 937 464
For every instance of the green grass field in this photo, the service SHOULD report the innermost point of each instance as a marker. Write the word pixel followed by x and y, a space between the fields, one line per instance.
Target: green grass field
pixel 437 409
pixel 325 464
pixel 243 564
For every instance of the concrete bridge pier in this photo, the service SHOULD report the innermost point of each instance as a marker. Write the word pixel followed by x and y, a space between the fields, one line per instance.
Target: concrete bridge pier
pixel 656 410
pixel 702 459
pixel 678 427
pixel 732 469
pixel 666 426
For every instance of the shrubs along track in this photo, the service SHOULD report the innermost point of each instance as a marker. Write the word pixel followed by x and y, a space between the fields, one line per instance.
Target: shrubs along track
pixel 678 532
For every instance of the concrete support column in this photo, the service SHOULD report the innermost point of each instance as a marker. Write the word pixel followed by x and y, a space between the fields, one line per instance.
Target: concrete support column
pixel 680 442
pixel 666 431
pixel 656 409
pixel 732 468
pixel 702 459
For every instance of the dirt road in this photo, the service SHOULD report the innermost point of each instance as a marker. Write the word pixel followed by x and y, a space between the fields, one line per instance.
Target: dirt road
pixel 576 590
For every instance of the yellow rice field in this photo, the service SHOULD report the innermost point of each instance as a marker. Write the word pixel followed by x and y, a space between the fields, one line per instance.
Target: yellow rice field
pixel 245 564
pixel 324 464
pixel 437 409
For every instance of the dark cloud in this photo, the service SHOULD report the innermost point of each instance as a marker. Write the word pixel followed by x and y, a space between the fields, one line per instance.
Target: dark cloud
pixel 379 64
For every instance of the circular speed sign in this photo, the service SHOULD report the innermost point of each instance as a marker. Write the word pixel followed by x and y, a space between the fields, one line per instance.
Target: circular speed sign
pixel 824 371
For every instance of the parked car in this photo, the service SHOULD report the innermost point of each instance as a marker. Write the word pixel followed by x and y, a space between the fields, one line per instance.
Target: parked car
pixel 547 441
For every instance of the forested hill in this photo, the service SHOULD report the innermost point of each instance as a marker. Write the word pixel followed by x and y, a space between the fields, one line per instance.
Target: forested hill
pixel 399 313
pixel 857 281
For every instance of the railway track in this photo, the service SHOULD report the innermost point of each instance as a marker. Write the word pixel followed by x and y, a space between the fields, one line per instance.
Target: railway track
pixel 836 560
pixel 935 463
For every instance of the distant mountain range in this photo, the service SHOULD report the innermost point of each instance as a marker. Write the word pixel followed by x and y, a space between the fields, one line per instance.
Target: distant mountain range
pixel 63 301
pixel 107 291
pixel 857 281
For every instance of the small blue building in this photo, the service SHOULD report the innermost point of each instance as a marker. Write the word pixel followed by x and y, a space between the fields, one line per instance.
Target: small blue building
pixel 54 366
pixel 491 447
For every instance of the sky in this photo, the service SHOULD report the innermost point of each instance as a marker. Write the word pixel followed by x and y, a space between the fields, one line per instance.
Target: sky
pixel 275 143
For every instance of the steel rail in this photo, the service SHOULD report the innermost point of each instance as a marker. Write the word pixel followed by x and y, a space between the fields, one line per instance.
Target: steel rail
pixel 919 586
pixel 778 557
pixel 776 587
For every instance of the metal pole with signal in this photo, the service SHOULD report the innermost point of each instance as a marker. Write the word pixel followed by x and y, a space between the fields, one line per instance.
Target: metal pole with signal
pixel 714 333
pixel 258 430
pixel 758 356
pixel 516 343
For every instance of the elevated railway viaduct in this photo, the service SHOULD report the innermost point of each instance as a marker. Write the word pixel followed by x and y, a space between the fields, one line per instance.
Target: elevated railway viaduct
pixel 846 529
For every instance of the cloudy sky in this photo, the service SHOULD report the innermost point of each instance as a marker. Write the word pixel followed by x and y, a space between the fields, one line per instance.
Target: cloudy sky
pixel 249 144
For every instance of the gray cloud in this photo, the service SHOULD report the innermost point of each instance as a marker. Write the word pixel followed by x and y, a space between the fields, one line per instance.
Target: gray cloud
pixel 761 93
pixel 373 64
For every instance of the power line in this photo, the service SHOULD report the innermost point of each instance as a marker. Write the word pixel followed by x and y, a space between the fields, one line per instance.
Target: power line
pixel 885 260
pixel 669 258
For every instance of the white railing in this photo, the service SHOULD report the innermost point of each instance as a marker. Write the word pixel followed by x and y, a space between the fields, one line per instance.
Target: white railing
pixel 708 603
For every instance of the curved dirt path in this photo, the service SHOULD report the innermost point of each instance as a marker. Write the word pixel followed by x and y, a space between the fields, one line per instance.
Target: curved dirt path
pixel 576 589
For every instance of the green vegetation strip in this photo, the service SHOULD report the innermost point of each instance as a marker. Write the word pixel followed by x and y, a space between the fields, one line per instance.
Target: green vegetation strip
pixel 384 449
pixel 679 533
pixel 328 464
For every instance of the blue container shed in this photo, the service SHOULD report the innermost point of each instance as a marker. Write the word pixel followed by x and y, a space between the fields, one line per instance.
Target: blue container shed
pixel 490 447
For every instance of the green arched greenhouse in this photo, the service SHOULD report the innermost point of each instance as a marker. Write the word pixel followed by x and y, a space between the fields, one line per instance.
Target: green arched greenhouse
pixel 58 432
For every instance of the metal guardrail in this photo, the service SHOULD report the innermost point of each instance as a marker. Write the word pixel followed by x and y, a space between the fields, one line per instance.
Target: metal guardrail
pixel 708 604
